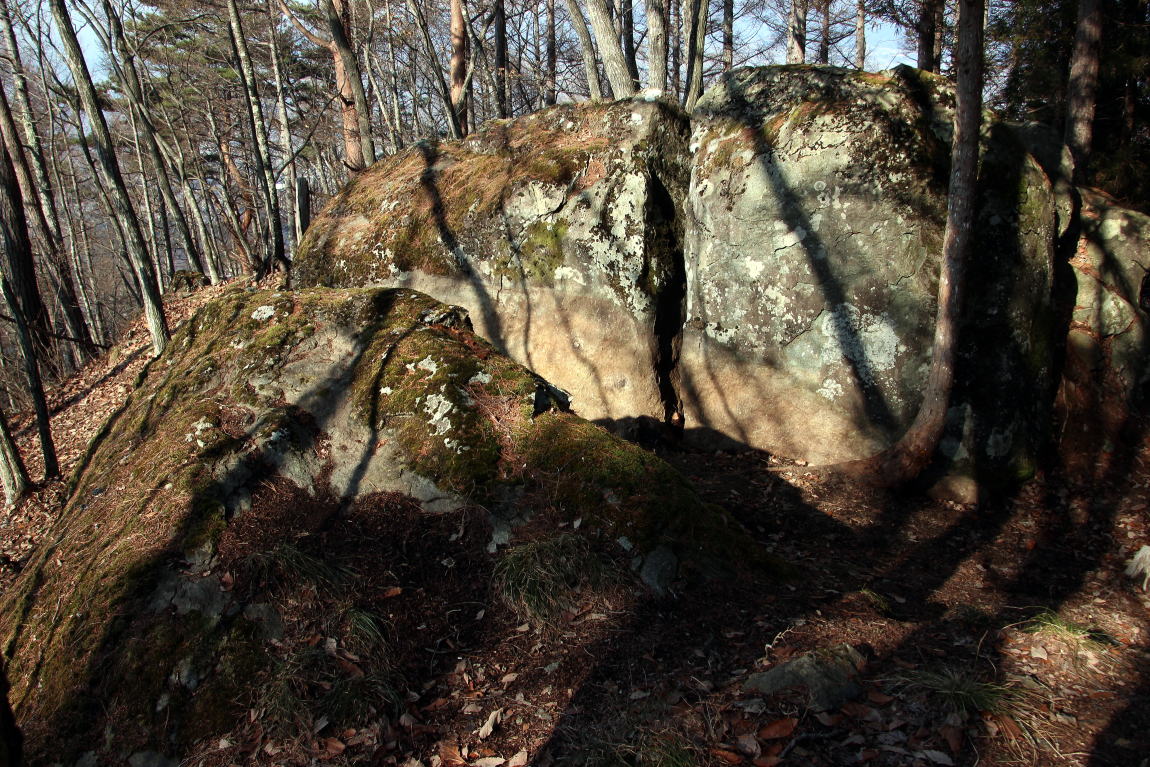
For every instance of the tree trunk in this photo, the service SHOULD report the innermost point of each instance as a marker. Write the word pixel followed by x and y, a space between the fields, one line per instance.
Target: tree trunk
pixel 728 35
pixel 550 92
pixel 351 92
pixel 797 32
pixel 910 455
pixel 627 34
pixel 927 30
pixel 261 154
pixel 860 36
pixel 608 39
pixel 460 45
pixel 657 44
pixel 695 30
pixel 587 45
pixel 14 479
pixel 499 20
pixel 1083 84
pixel 824 54
pixel 119 200
pixel 283 131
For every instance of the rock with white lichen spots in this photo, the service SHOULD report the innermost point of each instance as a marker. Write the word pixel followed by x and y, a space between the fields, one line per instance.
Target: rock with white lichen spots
pixel 814 223
pixel 556 231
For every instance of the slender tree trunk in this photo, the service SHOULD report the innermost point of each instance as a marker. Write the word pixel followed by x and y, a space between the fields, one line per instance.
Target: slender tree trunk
pixel 339 28
pixel 550 93
pixel 797 32
pixel 460 47
pixel 675 22
pixel 499 21
pixel 119 199
pixel 283 132
pixel 627 33
pixel 18 262
pixel 728 35
pixel 824 54
pixel 910 455
pixel 695 23
pixel 607 37
pixel 14 239
pixel 430 50
pixel 860 36
pixel 1083 84
pixel 587 45
pixel 394 77
pixel 261 153
pixel 657 44
pixel 927 30
pixel 14 479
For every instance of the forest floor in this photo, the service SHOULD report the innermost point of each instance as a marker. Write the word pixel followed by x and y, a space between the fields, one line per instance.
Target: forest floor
pixel 999 633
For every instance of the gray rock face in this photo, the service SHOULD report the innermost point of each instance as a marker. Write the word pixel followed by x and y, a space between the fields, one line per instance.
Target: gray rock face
pixel 556 231
pixel 814 223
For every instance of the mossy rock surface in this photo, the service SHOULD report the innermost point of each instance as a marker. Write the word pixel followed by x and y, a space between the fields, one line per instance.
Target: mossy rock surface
pixel 296 492
pixel 557 231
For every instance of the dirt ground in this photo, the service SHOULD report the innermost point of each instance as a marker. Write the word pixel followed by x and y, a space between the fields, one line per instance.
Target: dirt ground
pixel 999 633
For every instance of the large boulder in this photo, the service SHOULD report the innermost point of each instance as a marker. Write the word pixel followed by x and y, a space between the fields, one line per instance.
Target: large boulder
pixel 774 280
pixel 303 489
pixel 557 231
pixel 814 223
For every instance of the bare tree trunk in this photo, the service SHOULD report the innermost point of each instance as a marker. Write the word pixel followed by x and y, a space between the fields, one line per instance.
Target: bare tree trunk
pixel 14 239
pixel 433 57
pixel 824 54
pixel 283 133
pixel 627 34
pixel 14 479
pixel 618 75
pixel 910 455
pixel 129 78
pixel 587 45
pixel 860 36
pixel 120 201
pixel 927 30
pixel 261 153
pixel 728 35
pixel 499 20
pixel 550 93
pixel 657 44
pixel 460 48
pixel 797 32
pixel 695 29
pixel 339 28
pixel 1083 84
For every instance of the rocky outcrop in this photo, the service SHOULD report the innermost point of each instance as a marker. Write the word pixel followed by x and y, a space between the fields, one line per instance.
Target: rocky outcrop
pixel 556 230
pixel 302 488
pixel 773 277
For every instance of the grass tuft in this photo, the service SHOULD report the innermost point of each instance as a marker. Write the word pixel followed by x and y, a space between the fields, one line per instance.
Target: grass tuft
pixel 1050 623
pixel 287 564
pixel 540 579
pixel 960 691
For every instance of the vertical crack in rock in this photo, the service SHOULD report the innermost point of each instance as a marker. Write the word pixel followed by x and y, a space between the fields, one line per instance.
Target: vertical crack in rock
pixel 666 190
